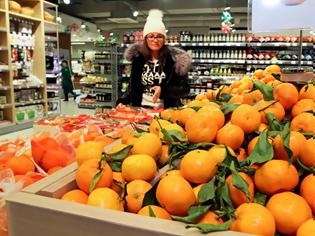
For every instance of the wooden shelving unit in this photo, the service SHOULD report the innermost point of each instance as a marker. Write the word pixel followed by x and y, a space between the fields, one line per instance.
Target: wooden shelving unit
pixel 38 59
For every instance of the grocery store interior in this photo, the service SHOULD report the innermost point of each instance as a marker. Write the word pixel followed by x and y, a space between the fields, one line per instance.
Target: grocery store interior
pixel 168 80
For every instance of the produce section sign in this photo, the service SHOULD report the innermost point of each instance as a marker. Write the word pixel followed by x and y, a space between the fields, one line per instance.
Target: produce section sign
pixel 273 15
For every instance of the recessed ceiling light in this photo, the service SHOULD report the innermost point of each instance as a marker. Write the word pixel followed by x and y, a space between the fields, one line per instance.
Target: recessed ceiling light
pixel 83 26
pixel 135 13
pixel 66 1
pixel 98 30
pixel 111 34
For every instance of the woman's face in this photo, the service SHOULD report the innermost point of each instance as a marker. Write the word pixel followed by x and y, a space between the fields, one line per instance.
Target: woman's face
pixel 155 41
pixel 64 64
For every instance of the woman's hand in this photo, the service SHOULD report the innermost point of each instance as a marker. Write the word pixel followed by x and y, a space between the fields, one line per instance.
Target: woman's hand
pixel 157 93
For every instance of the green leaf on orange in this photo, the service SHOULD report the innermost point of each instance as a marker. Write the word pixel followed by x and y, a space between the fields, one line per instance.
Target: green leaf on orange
pixel 194 214
pixel 262 152
pixel 265 89
pixel 121 154
pixel 207 228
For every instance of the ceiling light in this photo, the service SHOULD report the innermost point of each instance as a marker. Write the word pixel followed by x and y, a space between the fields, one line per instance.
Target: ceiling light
pixel 166 30
pixel 83 26
pixel 59 19
pixel 111 34
pixel 99 30
pixel 135 13
pixel 66 1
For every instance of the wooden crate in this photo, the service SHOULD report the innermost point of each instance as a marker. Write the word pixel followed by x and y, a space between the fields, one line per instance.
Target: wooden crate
pixel 303 77
pixel 36 211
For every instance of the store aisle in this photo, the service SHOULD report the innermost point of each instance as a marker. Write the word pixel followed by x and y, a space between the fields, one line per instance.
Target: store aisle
pixel 67 108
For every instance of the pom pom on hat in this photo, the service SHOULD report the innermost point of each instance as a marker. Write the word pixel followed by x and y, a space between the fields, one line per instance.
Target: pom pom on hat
pixel 154 23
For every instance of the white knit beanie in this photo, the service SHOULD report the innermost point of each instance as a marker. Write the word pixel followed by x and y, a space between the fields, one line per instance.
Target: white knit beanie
pixel 154 23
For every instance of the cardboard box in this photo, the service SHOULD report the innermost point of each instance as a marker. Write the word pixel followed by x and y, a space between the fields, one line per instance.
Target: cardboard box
pixel 35 211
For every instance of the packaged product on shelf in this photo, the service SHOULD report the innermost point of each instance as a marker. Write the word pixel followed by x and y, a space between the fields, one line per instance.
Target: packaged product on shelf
pixel 3 100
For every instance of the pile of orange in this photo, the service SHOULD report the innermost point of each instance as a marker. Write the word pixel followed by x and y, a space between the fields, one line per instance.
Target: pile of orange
pixel 287 186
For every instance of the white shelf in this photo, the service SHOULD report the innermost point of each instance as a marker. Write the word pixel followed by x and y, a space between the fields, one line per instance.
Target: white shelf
pixel 104 104
pixel 213 77
pixel 212 44
pixel 28 87
pixel 3 106
pixel 19 104
pixel 4 88
pixel 279 62
pixel 279 44
pixel 227 61
pixel 25 16
pixel 103 90
pixel 89 106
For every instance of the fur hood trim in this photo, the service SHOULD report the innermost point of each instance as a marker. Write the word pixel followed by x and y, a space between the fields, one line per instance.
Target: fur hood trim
pixel 181 58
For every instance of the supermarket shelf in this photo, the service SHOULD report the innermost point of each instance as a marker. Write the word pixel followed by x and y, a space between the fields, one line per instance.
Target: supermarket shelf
pixel 100 60
pixel 49 38
pixel 279 62
pixel 3 48
pixel 50 23
pixel 103 90
pixel 213 77
pixel 2 29
pixel 4 70
pixel 4 106
pixel 28 87
pixel 4 88
pixel 5 129
pixel 221 44
pixel 87 83
pixel 19 104
pixel 88 106
pixel 279 44
pixel 104 104
pixel 24 16
pixel 226 61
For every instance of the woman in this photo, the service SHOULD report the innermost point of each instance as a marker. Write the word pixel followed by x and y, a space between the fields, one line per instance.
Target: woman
pixel 66 83
pixel 159 72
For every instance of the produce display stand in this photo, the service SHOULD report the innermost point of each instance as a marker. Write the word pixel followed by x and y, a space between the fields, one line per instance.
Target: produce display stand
pixel 37 210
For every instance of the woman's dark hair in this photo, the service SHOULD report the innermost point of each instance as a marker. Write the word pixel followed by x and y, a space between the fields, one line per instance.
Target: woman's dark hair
pixel 146 51
pixel 66 62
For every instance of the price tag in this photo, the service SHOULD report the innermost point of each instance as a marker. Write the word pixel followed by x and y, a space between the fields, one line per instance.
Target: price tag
pixel 255 62
pixel 259 44
pixel 238 44
pixel 200 44
pixel 277 44
pixel 202 61
pixel 193 44
pixel 293 63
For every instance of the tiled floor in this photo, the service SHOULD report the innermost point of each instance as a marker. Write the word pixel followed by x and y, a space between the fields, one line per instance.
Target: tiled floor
pixel 68 108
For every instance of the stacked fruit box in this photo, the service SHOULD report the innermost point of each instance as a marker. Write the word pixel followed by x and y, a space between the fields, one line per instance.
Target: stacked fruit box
pixel 240 158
